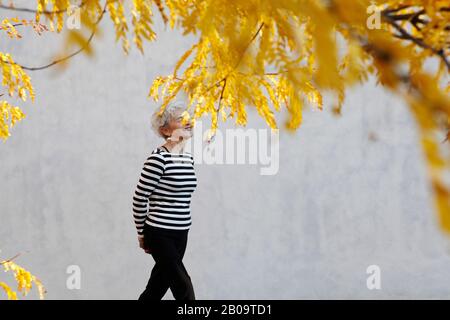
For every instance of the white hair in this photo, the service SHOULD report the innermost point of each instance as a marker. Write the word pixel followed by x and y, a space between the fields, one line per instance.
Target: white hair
pixel 169 113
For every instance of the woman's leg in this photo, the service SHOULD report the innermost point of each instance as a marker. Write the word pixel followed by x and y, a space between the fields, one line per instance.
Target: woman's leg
pixel 181 247
pixel 157 284
pixel 167 249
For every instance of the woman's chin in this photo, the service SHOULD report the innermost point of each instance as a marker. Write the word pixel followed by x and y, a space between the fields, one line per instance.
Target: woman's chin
pixel 185 138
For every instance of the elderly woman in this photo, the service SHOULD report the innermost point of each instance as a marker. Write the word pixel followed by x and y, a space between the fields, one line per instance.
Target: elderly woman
pixel 161 206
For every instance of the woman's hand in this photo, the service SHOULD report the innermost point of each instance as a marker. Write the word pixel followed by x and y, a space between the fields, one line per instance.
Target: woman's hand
pixel 142 245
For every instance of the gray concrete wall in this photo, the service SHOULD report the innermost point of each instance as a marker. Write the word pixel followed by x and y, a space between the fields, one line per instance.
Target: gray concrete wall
pixel 339 202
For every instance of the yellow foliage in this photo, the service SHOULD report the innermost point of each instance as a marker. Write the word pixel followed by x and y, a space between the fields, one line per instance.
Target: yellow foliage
pixel 270 55
pixel 10 293
pixel 24 280
pixel 16 81
pixel 116 11
pixel 142 21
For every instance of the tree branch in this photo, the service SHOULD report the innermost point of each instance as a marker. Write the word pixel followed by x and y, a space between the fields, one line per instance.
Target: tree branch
pixel 5 7
pixel 10 259
pixel 403 34
pixel 72 54
pixel 221 96
pixel 240 59
pixel 388 11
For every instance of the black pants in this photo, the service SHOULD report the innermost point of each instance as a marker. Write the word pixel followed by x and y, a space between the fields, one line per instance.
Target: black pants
pixel 167 248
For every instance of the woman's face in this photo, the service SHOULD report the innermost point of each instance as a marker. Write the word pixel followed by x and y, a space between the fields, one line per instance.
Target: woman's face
pixel 177 127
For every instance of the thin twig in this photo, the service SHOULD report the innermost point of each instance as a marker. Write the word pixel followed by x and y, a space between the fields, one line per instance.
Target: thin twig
pixel 237 64
pixel 403 34
pixel 10 259
pixel 221 95
pixel 5 7
pixel 72 54
pixel 388 11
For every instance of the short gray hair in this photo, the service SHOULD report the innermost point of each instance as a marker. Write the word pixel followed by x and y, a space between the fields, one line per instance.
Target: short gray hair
pixel 168 114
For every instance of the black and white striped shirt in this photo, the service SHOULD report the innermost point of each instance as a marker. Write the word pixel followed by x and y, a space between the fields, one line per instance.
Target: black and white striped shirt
pixel 162 196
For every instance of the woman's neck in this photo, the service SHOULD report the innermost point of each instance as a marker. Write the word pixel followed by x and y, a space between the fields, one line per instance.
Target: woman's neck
pixel 174 147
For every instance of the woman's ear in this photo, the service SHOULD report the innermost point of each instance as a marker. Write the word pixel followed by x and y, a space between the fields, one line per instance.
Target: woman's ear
pixel 164 131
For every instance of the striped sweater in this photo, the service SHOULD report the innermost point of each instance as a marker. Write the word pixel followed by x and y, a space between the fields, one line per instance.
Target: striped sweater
pixel 162 196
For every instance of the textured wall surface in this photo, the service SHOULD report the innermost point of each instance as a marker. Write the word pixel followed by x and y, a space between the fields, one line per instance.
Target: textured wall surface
pixel 339 202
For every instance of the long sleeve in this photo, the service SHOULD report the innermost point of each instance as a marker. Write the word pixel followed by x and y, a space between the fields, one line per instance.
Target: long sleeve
pixel 151 173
